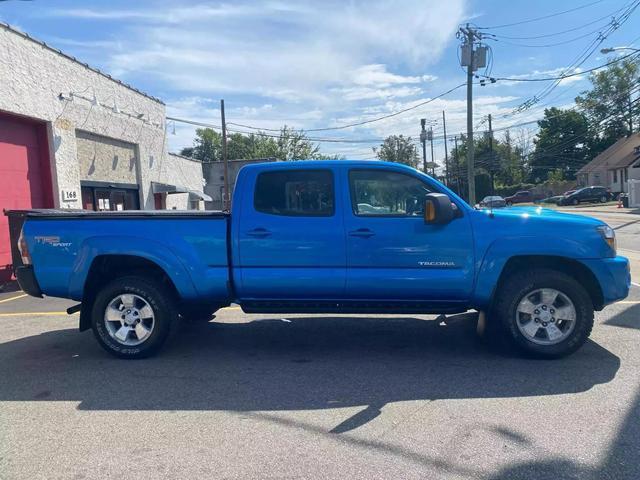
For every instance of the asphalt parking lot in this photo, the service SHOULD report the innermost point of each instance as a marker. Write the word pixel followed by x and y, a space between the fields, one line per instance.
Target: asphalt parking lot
pixel 265 396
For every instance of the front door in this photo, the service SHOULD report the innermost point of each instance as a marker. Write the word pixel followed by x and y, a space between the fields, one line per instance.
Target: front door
pixel 291 237
pixel 392 255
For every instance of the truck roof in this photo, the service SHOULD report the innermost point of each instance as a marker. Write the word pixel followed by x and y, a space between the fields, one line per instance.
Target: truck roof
pixel 302 164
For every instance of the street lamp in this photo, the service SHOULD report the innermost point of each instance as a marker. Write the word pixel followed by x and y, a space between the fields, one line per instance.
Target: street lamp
pixel 615 49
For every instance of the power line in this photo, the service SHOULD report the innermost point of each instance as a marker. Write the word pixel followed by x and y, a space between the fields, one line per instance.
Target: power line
pixel 546 45
pixel 581 58
pixel 562 77
pixel 562 32
pixel 522 22
pixel 364 122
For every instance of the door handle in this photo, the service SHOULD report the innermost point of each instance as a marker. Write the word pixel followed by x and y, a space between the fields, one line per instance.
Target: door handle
pixel 259 233
pixel 362 232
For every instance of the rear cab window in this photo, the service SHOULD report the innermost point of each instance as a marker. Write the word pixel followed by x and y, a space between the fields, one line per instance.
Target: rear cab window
pixel 298 192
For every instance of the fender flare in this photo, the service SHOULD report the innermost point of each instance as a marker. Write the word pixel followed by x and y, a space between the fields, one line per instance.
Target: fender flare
pixel 502 250
pixel 150 250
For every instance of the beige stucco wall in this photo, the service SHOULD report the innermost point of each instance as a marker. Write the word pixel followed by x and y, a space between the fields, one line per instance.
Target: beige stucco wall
pixel 40 83
pixel 104 159
pixel 186 173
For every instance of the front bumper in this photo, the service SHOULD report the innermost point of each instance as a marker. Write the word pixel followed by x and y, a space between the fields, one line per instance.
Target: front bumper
pixel 27 281
pixel 614 277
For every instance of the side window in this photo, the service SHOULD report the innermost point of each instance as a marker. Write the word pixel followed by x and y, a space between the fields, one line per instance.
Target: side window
pixel 307 193
pixel 385 193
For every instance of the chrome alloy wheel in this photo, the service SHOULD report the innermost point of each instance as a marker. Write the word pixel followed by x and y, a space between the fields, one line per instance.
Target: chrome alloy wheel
pixel 546 316
pixel 129 319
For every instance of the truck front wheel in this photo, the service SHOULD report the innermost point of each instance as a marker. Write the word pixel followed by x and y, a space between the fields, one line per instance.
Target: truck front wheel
pixel 132 316
pixel 544 313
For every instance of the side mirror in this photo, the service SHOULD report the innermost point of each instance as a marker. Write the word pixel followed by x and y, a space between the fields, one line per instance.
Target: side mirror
pixel 438 209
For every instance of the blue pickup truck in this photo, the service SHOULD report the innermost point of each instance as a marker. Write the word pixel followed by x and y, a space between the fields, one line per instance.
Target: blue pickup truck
pixel 326 237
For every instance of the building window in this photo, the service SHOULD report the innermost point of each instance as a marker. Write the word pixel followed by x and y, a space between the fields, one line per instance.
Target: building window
pixel 308 193
pixel 615 176
pixel 109 197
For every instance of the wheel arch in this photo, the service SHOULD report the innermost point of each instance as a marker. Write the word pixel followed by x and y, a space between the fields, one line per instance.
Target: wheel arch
pixel 107 267
pixel 569 266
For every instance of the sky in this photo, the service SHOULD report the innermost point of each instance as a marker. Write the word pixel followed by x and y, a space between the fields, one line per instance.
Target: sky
pixel 327 64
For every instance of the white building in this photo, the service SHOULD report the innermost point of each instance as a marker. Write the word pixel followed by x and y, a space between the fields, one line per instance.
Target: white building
pixel 74 137
pixel 614 167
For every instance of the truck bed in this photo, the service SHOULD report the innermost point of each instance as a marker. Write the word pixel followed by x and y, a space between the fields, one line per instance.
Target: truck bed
pixel 190 246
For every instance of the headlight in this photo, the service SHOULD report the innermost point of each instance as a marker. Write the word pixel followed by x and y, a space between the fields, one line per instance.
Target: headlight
pixel 609 236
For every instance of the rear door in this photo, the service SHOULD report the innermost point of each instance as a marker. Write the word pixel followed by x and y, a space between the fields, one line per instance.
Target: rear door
pixel 291 235
pixel 392 255
pixel 587 195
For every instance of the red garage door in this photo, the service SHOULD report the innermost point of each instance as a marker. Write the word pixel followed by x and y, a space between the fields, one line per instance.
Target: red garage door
pixel 25 179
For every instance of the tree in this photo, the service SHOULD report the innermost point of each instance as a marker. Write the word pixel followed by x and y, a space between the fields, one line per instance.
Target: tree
pixel 559 144
pixel 398 149
pixel 609 106
pixel 207 146
pixel 289 144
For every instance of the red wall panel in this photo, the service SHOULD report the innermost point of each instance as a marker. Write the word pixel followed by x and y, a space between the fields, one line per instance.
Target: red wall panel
pixel 25 179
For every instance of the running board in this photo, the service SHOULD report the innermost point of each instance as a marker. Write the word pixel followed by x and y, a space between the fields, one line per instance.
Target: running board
pixel 351 307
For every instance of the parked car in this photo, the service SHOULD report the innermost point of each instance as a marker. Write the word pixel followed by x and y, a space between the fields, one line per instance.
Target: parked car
pixel 326 237
pixel 492 201
pixel 587 194
pixel 524 196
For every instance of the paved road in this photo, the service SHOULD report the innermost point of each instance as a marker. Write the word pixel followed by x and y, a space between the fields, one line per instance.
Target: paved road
pixel 376 397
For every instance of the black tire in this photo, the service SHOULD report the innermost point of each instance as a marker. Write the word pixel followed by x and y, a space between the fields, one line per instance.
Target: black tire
pixel 515 287
pixel 575 201
pixel 603 199
pixel 158 297
pixel 509 204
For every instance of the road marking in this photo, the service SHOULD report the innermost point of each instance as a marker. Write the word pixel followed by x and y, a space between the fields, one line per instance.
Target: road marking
pixel 13 298
pixel 231 308
pixel 35 314
pixel 635 284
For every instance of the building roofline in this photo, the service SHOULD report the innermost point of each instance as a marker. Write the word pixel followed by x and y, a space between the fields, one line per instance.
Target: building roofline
pixel 265 159
pixel 601 161
pixel 11 29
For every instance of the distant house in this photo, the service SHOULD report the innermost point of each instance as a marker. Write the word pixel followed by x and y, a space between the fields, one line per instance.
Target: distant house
pixel 613 167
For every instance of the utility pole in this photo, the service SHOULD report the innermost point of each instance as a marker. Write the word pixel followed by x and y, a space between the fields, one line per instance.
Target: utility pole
pixel 455 139
pixel 433 163
pixel 473 59
pixel 423 140
pixel 492 161
pixel 446 157
pixel 225 200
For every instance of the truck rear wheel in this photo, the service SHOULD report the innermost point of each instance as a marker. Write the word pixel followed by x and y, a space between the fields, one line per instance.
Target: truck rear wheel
pixel 132 316
pixel 543 313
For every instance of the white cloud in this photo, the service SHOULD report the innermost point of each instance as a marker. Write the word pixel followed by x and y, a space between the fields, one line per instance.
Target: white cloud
pixel 554 72
pixel 312 63
pixel 378 75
